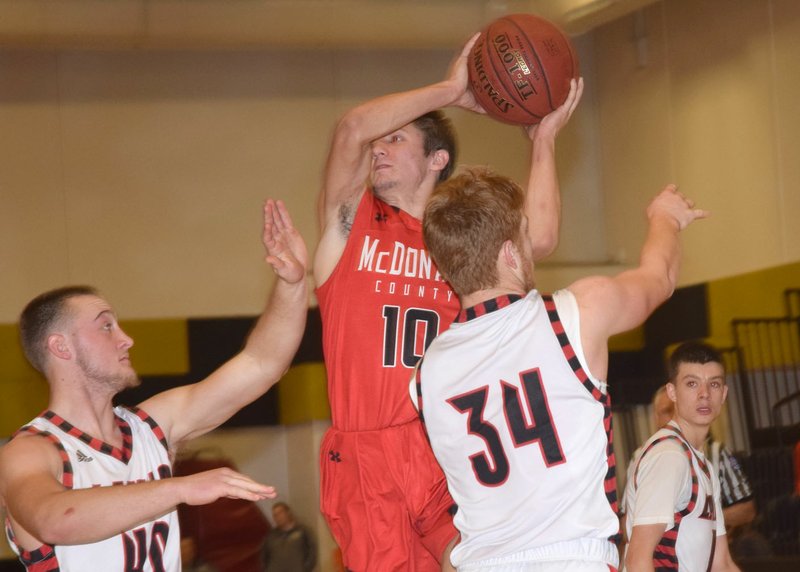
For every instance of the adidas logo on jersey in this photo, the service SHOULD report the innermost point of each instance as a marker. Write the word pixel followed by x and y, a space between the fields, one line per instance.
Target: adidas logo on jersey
pixel 83 458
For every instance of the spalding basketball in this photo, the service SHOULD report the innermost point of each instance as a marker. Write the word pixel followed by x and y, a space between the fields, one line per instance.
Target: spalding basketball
pixel 520 68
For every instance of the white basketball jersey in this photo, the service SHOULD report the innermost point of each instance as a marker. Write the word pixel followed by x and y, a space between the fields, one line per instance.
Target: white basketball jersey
pixel 89 462
pixel 522 432
pixel 689 541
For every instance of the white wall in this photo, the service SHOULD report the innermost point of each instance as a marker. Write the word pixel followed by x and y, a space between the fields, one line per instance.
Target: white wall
pixel 711 106
pixel 144 172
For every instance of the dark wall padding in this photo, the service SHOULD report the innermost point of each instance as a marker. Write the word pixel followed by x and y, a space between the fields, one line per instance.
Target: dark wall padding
pixel 683 317
pixel 634 376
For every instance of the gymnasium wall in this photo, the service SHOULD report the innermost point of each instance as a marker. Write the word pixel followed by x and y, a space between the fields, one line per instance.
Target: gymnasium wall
pixel 703 93
pixel 198 346
pixel 143 173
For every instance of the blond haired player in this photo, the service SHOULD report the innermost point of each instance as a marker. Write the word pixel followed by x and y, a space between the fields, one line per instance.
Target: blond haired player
pixel 513 393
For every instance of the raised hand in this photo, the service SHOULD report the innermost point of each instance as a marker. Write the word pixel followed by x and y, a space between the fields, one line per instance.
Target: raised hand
pixel 552 123
pixel 672 204
pixel 286 250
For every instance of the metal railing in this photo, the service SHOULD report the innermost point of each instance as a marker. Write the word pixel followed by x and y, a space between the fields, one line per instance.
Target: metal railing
pixel 768 355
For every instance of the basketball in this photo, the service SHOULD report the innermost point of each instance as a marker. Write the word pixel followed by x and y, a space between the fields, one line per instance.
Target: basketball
pixel 520 68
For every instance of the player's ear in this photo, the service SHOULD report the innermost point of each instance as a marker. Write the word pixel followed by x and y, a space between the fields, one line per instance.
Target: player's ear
pixel 509 255
pixel 57 345
pixel 440 159
pixel 671 391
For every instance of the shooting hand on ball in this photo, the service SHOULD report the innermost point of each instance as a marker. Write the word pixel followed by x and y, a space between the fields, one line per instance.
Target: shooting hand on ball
pixel 554 121
pixel 458 75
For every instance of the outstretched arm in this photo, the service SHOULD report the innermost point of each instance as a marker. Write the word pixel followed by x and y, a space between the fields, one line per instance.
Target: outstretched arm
pixel 543 199
pixel 188 411
pixel 610 306
pixel 41 509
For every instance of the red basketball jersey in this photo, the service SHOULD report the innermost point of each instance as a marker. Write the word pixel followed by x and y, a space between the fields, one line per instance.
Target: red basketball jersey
pixel 382 305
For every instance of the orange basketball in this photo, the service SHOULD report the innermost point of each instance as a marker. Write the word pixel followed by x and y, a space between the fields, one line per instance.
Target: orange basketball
pixel 520 68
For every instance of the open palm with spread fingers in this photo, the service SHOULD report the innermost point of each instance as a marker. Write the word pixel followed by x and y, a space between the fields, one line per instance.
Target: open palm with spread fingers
pixel 286 250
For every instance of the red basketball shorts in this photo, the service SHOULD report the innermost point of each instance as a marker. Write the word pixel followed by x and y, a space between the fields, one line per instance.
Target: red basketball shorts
pixel 385 499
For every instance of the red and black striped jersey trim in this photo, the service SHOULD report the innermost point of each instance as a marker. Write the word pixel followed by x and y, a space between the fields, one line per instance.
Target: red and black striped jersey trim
pixel 43 559
pixel 155 427
pixel 569 352
pixel 704 466
pixel 610 480
pixel 66 464
pixel 486 307
pixel 121 454
pixel 665 556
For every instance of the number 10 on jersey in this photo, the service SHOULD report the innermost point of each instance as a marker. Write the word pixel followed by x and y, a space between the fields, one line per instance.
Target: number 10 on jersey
pixel 414 329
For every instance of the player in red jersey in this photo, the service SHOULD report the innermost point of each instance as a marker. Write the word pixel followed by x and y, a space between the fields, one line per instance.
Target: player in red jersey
pixel 383 301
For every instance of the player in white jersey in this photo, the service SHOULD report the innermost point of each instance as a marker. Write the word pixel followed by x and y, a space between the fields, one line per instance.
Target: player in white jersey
pixel 86 485
pixel 673 510
pixel 512 394
pixel 689 542
pixel 503 376
pixel 736 495
pixel 88 463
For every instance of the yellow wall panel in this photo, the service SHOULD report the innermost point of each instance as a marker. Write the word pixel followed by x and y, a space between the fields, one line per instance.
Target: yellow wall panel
pixel 630 341
pixel 12 361
pixel 23 390
pixel 23 399
pixel 752 295
pixel 161 347
pixel 304 394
